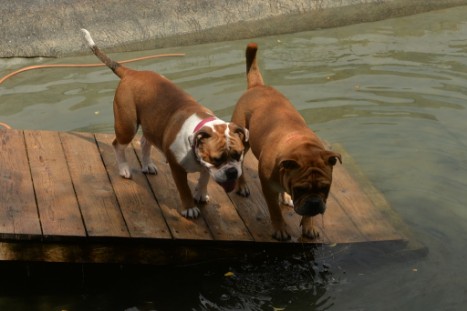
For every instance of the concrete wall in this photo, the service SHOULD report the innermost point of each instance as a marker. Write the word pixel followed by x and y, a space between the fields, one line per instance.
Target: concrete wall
pixel 50 28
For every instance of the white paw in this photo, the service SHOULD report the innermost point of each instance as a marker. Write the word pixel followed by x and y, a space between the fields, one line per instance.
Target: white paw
pixel 193 212
pixel 286 199
pixel 124 170
pixel 150 168
pixel 201 196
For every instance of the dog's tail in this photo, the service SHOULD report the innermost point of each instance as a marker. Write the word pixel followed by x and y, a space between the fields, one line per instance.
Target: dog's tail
pixel 253 75
pixel 116 67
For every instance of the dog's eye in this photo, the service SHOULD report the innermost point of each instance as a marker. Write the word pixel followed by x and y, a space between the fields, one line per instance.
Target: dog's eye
pixel 236 156
pixel 218 161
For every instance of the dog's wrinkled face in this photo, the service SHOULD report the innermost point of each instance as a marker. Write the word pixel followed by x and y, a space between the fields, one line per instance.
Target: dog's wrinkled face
pixel 220 148
pixel 308 180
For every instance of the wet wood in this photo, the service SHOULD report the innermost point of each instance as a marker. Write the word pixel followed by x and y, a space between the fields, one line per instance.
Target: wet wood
pixel 62 200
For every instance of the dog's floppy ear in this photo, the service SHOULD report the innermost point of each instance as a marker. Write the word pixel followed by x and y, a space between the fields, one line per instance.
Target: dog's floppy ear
pixel 197 137
pixel 243 133
pixel 331 157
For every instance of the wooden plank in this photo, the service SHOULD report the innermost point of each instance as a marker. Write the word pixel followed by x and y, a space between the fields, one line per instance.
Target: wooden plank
pixel 140 209
pixel 220 214
pixel 98 204
pixel 167 195
pixel 360 210
pixel 18 210
pixel 58 208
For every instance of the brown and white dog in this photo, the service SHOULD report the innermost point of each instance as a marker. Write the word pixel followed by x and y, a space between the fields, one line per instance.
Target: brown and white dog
pixel 190 136
pixel 291 157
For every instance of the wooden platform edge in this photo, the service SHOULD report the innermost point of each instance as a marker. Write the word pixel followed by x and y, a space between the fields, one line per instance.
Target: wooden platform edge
pixel 182 252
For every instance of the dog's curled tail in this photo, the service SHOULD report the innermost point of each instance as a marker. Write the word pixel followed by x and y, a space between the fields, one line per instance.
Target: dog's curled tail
pixel 104 58
pixel 253 75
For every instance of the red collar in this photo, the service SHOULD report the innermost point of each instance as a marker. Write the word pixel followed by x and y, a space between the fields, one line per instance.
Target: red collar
pixel 202 123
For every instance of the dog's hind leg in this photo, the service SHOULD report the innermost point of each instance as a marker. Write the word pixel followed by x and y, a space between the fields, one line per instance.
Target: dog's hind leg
pixel 125 126
pixel 123 167
pixel 147 166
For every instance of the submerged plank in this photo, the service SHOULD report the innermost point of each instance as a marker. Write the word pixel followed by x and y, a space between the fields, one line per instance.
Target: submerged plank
pixel 18 210
pixel 361 211
pixel 336 225
pixel 380 207
pixel 140 209
pixel 58 208
pixel 96 197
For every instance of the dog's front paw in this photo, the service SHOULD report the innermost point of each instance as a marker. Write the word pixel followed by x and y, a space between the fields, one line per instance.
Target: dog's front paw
pixel 310 233
pixel 243 190
pixel 201 197
pixel 150 168
pixel 193 212
pixel 281 235
pixel 308 230
pixel 124 170
pixel 286 199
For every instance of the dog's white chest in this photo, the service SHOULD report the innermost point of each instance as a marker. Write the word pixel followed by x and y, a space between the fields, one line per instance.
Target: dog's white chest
pixel 181 147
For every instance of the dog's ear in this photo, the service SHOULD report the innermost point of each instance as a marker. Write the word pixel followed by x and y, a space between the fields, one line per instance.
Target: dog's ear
pixel 331 157
pixel 243 133
pixel 289 164
pixel 196 138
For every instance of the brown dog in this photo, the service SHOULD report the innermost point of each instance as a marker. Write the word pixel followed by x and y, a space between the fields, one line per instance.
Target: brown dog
pixel 291 157
pixel 190 136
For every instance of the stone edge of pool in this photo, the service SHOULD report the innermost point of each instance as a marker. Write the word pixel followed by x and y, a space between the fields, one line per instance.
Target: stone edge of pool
pixel 51 28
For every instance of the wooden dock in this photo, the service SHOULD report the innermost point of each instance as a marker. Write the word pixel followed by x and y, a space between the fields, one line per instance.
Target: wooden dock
pixel 62 200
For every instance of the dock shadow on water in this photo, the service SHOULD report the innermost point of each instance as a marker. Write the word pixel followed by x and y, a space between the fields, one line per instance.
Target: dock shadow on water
pixel 262 282
pixel 302 279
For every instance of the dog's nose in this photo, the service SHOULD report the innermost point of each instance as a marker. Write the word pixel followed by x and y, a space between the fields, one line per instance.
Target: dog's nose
pixel 311 207
pixel 231 173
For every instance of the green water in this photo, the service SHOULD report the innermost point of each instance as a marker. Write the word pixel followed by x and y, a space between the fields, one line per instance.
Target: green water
pixel 392 93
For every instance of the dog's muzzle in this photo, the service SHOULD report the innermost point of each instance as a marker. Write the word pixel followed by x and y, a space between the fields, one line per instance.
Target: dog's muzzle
pixel 230 179
pixel 310 206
